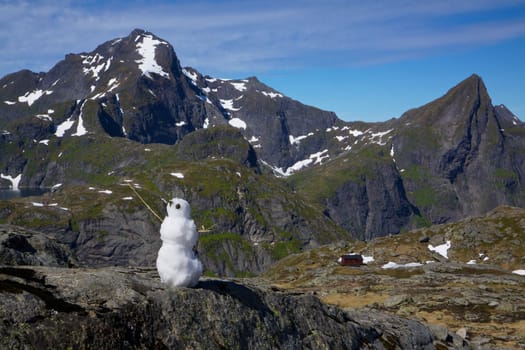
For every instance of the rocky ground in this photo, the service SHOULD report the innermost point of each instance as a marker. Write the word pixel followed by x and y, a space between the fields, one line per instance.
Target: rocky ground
pixel 128 308
pixel 446 287
pixel 473 291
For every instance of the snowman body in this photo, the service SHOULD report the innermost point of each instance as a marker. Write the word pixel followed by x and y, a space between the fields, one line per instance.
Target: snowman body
pixel 177 264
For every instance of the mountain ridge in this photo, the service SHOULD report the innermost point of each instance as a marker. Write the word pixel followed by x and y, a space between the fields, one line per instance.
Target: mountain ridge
pixel 270 175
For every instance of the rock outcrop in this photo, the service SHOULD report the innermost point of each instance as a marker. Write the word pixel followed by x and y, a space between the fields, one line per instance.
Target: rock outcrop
pixel 122 308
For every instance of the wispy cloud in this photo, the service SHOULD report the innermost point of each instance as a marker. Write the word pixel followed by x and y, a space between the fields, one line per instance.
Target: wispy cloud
pixel 233 36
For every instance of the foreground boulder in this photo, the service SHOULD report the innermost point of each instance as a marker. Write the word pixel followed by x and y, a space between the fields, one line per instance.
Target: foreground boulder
pixel 119 308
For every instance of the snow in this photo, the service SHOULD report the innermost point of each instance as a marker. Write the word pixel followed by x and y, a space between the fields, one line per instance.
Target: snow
pixel 31 97
pixel 367 259
pixel 108 64
pixel 45 142
pixel 239 86
pixel 177 264
pixel 113 83
pixel 471 262
pixel 191 75
pixel 297 140
pixel 56 186
pixel 178 175
pixel 15 181
pixel 94 66
pixel 319 156
pixel 105 191
pixel 271 94
pixel 379 135
pixel 50 111
pixel 206 123
pixel 181 123
pixel 298 166
pixel 315 158
pixel 393 265
pixel 341 138
pixel 441 249
pixel 9 102
pixel 127 198
pixel 63 127
pixel 253 139
pixel 519 272
pixel 44 117
pixel 237 123
pixel 148 64
pixel 355 132
pixel 81 130
pixel 228 104
pixel 392 151
pixel 36 204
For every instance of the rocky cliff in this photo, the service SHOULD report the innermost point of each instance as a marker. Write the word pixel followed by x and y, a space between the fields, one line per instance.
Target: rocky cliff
pixel 455 157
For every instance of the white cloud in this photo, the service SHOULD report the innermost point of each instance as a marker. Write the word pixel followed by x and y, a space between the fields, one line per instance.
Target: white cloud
pixel 221 37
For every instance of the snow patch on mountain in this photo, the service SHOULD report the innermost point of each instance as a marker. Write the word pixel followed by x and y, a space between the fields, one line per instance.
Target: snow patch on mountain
pixel 378 137
pixel 191 75
pixel 32 96
pixel 64 126
pixel 239 86
pixel 44 117
pixel 81 130
pixel 228 104
pixel 315 158
pixel 93 66
pixel 297 140
pixel 148 64
pixel 15 181
pixel 271 94
pixel 441 249
pixel 237 123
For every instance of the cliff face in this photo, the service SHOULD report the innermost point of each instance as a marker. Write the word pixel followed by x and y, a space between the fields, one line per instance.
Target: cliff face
pixel 119 308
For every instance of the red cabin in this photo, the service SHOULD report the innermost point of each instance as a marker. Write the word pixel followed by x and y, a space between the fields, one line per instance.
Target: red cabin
pixel 350 260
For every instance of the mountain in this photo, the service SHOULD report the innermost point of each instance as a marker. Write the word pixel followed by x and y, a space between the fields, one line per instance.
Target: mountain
pixel 134 87
pixel 115 132
pixel 454 157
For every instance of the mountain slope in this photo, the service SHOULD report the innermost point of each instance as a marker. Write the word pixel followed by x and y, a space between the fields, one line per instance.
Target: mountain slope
pixel 454 157
pixel 473 153
pixel 129 111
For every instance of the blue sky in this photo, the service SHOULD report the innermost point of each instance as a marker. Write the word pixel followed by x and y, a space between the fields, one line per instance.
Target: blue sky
pixel 365 60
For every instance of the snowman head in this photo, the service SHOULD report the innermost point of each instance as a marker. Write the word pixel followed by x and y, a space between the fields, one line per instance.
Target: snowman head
pixel 178 208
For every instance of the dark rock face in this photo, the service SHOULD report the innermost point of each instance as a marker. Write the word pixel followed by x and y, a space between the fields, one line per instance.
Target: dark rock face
pixel 461 154
pixel 372 206
pixel 117 308
pixel 272 120
pixel 19 246
pixel 218 142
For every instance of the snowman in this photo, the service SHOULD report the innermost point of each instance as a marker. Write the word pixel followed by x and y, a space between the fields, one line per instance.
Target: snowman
pixel 176 261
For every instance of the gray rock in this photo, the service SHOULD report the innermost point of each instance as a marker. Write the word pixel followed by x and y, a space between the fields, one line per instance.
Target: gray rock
pixel 123 308
pixel 20 246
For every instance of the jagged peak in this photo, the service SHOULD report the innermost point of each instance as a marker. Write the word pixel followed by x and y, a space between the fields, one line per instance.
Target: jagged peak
pixel 473 83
